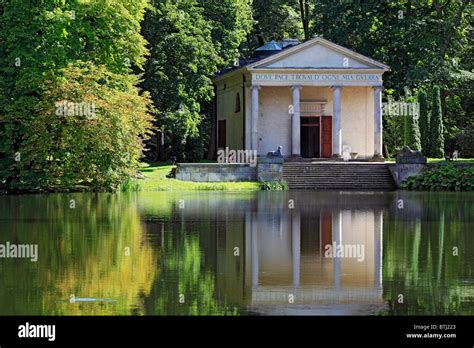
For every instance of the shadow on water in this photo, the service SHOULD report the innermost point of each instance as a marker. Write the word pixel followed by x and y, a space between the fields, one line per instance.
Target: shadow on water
pixel 211 253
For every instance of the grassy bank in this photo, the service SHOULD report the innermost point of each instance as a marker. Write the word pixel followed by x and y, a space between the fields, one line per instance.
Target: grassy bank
pixel 156 180
pixel 441 160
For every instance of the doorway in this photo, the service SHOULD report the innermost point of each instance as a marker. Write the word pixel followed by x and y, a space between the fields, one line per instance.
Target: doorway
pixel 310 137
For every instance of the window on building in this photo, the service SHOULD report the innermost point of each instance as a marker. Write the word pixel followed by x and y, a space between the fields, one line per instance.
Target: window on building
pixel 237 103
pixel 221 134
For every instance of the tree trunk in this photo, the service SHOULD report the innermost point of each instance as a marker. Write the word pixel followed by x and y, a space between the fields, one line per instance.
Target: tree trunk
pixel 444 94
pixel 306 29
pixel 304 12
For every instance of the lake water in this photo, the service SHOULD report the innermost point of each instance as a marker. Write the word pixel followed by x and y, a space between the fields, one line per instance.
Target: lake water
pixel 214 253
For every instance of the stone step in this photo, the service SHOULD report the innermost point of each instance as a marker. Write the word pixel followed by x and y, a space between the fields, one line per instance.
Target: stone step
pixel 335 179
pixel 327 176
pixel 338 181
pixel 335 172
pixel 338 173
pixel 348 170
pixel 351 177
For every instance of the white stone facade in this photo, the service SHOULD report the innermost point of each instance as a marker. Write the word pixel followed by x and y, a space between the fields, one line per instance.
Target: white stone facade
pixel 272 101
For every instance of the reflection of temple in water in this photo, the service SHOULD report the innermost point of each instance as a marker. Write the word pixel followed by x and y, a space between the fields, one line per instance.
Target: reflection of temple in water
pixel 283 257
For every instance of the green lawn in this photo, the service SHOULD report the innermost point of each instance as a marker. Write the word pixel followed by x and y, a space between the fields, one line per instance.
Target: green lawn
pixel 156 180
pixel 441 160
pixel 460 160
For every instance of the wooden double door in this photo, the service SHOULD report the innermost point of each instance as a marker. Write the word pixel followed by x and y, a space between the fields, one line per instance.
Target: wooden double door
pixel 316 136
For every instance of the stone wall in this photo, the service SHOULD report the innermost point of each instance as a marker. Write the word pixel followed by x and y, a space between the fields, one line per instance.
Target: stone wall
pixel 215 172
pixel 409 163
pixel 402 171
pixel 266 170
pixel 270 169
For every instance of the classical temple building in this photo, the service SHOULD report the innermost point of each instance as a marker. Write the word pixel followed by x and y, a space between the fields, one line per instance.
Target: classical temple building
pixel 315 99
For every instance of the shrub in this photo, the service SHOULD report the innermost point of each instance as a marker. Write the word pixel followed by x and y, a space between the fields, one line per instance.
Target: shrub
pixel 401 124
pixel 97 145
pixel 413 133
pixel 442 178
pixel 130 185
pixel 274 186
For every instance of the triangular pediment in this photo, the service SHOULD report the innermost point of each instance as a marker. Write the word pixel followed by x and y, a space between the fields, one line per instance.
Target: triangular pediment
pixel 318 53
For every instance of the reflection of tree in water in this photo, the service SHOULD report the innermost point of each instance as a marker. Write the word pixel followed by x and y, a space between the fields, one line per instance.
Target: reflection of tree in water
pixel 187 268
pixel 418 256
pixel 81 252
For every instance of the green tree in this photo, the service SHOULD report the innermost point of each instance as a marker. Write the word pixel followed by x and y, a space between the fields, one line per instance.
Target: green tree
pixel 413 135
pixel 411 128
pixel 466 141
pixel 189 42
pixel 178 72
pixel 275 20
pixel 88 130
pixel 231 21
pixel 37 40
pixel 424 122
pixel 436 126
pixel 423 41
pixel 455 121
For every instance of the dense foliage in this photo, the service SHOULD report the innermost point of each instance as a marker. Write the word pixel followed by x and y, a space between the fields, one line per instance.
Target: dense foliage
pixel 189 42
pixel 38 40
pixel 402 128
pixel 436 126
pixel 99 149
pixel 274 186
pixel 466 141
pixel 442 178
pixel 284 22
pixel 424 121
pixel 412 130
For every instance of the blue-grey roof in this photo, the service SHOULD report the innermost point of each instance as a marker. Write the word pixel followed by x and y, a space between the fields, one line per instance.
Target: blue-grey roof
pixel 270 46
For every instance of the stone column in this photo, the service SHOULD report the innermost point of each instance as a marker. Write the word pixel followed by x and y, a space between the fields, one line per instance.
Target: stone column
pixel 336 123
pixel 295 122
pixel 378 123
pixel 255 113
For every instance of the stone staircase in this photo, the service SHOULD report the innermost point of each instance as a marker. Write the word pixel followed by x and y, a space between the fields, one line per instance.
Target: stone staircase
pixel 338 175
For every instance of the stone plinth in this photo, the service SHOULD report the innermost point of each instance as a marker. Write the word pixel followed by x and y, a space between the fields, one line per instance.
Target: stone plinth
pixel 409 163
pixel 407 156
pixel 270 169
